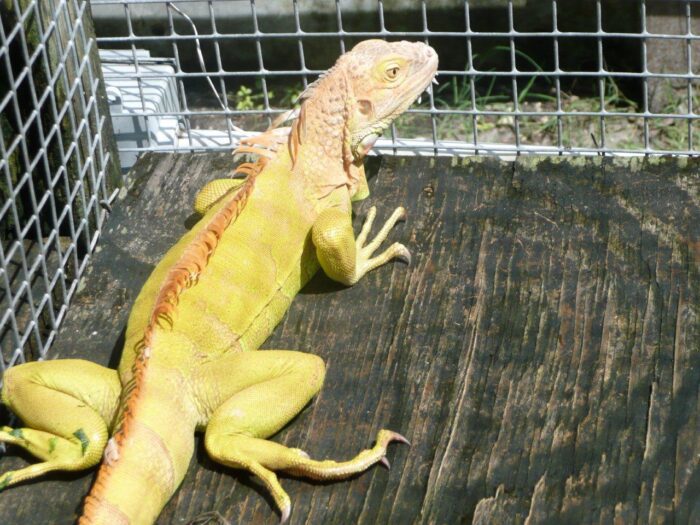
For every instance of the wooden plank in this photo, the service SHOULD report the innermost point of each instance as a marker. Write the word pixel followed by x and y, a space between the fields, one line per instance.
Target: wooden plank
pixel 541 352
pixel 669 56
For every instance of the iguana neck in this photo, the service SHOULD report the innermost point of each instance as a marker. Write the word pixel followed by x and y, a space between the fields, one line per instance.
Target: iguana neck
pixel 323 158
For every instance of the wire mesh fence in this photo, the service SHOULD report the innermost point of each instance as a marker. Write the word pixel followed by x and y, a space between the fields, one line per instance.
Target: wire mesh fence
pixel 536 76
pixel 53 168
pixel 516 77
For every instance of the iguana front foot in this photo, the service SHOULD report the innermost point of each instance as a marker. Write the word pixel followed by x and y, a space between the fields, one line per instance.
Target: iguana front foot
pixel 365 262
pixel 347 259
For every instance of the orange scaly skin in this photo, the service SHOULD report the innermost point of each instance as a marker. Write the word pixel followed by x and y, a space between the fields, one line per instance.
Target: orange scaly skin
pixel 215 295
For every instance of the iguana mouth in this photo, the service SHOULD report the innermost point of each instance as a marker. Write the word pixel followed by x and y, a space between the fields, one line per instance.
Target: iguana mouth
pixel 365 144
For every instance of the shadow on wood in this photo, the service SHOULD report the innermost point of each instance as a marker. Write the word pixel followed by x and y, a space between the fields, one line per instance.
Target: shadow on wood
pixel 541 352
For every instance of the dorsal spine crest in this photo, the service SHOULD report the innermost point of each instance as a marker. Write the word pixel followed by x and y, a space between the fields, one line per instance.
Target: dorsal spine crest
pixel 184 274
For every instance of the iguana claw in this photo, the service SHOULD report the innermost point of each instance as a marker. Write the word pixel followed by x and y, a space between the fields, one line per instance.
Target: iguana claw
pixel 398 437
pixel 387 436
pixel 285 512
pixel 403 253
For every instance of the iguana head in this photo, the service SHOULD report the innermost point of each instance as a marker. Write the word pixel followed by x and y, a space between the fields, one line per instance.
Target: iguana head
pixel 352 103
pixel 384 79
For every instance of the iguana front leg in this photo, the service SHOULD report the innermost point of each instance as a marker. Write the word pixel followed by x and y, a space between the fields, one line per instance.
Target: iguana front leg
pixel 347 259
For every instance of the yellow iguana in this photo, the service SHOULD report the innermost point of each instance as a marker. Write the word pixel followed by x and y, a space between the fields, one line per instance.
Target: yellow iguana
pixel 218 293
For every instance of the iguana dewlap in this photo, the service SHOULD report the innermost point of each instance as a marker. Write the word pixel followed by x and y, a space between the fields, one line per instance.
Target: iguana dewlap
pixel 215 295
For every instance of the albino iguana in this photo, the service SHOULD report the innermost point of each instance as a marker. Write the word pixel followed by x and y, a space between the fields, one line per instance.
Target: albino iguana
pixel 216 295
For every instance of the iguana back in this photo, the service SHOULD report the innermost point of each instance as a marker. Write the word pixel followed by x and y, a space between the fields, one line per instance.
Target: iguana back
pixel 225 285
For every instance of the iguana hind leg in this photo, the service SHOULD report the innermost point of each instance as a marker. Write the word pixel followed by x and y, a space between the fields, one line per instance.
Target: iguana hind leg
pixel 237 430
pixel 67 406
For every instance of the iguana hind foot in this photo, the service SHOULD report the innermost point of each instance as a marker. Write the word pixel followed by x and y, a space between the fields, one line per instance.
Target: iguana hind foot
pixel 327 470
pixel 262 458
pixel 264 391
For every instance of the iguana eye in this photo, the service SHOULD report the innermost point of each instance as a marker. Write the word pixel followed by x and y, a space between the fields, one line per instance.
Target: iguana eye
pixel 392 72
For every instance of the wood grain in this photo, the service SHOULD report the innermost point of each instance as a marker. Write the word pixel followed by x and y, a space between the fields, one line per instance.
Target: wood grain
pixel 542 351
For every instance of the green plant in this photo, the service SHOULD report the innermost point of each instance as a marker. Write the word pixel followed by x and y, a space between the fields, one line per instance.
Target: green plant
pixel 457 93
pixel 290 95
pixel 672 133
pixel 245 99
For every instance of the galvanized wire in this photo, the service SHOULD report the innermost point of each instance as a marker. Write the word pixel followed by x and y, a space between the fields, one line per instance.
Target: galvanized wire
pixel 561 114
pixel 52 169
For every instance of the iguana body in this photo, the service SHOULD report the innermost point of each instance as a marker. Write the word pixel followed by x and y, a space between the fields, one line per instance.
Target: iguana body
pixel 218 293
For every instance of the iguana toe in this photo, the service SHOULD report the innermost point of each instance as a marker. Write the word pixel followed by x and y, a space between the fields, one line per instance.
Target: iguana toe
pixel 387 436
pixel 366 261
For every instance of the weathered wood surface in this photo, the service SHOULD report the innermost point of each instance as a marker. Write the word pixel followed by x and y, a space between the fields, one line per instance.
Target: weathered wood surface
pixel 542 352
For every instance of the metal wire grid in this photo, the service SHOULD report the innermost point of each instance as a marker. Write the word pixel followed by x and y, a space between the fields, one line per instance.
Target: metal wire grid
pixel 52 169
pixel 560 114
